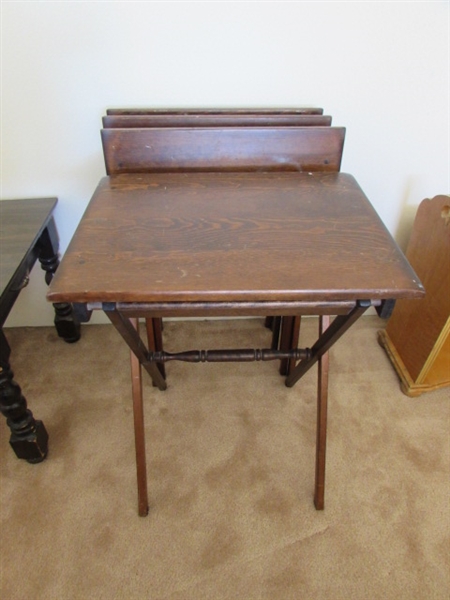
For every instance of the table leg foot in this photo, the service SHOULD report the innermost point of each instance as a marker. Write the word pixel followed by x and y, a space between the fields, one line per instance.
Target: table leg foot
pixel 34 447
pixel 319 499
pixel 29 438
pixel 66 323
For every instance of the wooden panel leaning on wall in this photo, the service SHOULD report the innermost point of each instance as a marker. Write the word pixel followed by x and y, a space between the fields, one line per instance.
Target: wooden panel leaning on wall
pixel 417 337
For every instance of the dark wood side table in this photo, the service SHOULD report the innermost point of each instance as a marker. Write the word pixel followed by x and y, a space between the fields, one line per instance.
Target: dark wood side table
pixel 27 233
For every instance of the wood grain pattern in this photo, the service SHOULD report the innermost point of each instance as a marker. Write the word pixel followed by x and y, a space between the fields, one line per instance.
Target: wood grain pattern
pixel 219 149
pixel 225 118
pixel 417 328
pixel 213 237
pixel 21 224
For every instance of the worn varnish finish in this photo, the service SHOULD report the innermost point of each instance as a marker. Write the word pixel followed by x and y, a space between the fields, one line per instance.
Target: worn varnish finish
pixel 227 237
pixel 234 149
pixel 222 119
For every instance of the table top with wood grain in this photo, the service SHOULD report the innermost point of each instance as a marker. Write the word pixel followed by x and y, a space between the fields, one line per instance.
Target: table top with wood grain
pixel 232 237
pixel 21 224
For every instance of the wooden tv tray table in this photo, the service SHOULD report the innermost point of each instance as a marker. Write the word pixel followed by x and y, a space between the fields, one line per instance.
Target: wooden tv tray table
pixel 27 233
pixel 223 244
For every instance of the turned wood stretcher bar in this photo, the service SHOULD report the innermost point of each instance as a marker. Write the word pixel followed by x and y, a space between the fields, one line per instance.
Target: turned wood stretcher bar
pixel 185 244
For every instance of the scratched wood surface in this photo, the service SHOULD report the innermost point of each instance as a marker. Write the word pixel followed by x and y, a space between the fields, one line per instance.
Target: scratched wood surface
pixel 168 237
pixel 223 148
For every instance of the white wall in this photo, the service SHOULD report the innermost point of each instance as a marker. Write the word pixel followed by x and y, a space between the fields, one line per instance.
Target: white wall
pixel 379 68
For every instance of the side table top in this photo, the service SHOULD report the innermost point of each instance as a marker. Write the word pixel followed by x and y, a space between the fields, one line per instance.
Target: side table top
pixel 21 224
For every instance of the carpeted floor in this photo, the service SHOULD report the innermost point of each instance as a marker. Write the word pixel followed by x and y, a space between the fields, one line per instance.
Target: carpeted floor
pixel 230 454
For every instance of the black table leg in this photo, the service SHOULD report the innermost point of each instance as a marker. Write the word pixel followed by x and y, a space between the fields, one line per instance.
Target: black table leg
pixel 29 438
pixel 66 322
pixel 127 330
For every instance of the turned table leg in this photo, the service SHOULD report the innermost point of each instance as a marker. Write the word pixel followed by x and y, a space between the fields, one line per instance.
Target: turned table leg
pixel 29 438
pixel 66 322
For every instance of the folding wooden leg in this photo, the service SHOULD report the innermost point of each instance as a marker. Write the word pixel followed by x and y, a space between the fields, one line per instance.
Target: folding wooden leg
pixel 139 433
pixel 290 332
pixel 330 336
pixel 294 341
pixel 322 402
pixel 125 327
pixel 268 322
pixel 154 338
pixel 276 330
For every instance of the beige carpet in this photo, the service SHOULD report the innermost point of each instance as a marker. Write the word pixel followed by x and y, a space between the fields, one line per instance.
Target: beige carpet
pixel 230 454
